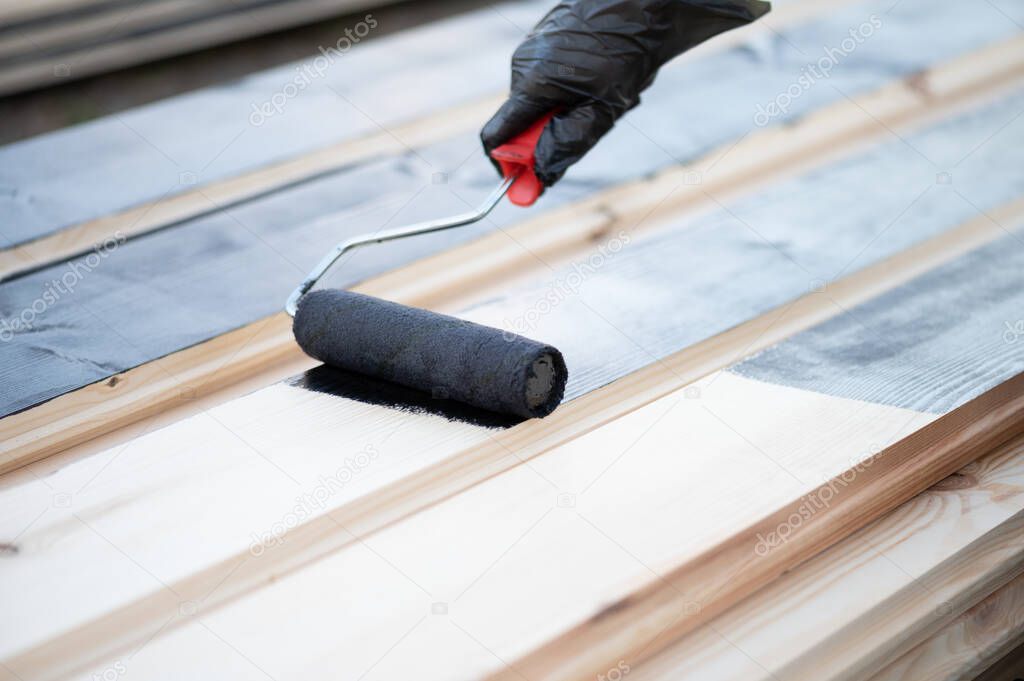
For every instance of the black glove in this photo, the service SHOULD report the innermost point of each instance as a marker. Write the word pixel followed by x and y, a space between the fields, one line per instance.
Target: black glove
pixel 590 59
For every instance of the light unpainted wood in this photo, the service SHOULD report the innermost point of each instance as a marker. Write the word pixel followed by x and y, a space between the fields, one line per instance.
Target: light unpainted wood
pixel 1006 669
pixel 561 547
pixel 432 282
pixel 682 597
pixel 970 644
pixel 848 610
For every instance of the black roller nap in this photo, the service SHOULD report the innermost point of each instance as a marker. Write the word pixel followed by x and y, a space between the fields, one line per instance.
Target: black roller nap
pixel 447 357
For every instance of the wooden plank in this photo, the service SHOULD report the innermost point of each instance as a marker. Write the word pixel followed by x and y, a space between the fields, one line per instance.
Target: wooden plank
pixel 970 644
pixel 1006 669
pixel 514 543
pixel 423 460
pixel 82 237
pixel 61 31
pixel 374 73
pixel 12 11
pixel 187 142
pixel 531 246
pixel 845 612
pixel 642 619
pixel 118 47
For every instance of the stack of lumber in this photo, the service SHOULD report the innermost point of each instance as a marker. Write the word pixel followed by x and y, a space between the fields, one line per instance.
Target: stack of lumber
pixel 45 43
pixel 792 445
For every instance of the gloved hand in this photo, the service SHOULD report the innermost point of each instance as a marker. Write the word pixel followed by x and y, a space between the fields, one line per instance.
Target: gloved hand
pixel 590 59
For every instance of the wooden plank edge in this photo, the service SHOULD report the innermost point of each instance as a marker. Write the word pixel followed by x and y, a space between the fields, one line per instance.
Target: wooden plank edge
pixel 984 567
pixel 439 280
pixel 980 557
pixel 189 37
pixel 968 645
pixel 644 623
pixel 98 24
pixel 1007 668
pixel 235 577
pixel 12 11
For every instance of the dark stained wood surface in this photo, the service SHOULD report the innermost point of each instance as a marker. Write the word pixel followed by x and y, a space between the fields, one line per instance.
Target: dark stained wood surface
pixel 172 289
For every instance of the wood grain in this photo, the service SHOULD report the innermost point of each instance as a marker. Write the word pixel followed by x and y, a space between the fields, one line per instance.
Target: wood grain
pixel 530 246
pixel 82 237
pixel 111 44
pixel 872 350
pixel 374 86
pixel 142 154
pixel 479 553
pixel 970 644
pixel 867 598
pixel 255 467
pixel 1006 669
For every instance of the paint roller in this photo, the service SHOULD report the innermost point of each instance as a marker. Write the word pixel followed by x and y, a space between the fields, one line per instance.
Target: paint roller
pixel 445 356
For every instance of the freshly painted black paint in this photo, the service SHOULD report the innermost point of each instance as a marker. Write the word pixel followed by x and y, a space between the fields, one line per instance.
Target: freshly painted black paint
pixel 930 345
pixel 353 386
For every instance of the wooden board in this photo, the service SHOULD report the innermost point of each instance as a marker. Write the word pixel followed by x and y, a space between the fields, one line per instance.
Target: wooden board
pixel 1006 669
pixel 970 644
pixel 418 131
pixel 846 612
pixel 65 31
pixel 267 458
pixel 207 135
pixel 129 34
pixel 374 87
pixel 13 12
pixel 220 567
pixel 494 550
pixel 535 242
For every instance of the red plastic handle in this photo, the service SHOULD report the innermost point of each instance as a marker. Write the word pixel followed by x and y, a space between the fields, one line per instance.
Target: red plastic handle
pixel 516 160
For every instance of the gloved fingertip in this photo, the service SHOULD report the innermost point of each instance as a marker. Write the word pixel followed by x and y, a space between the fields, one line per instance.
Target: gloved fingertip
pixel 514 116
pixel 569 136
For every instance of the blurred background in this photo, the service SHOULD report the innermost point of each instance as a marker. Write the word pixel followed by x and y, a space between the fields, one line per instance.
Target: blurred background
pixel 68 61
